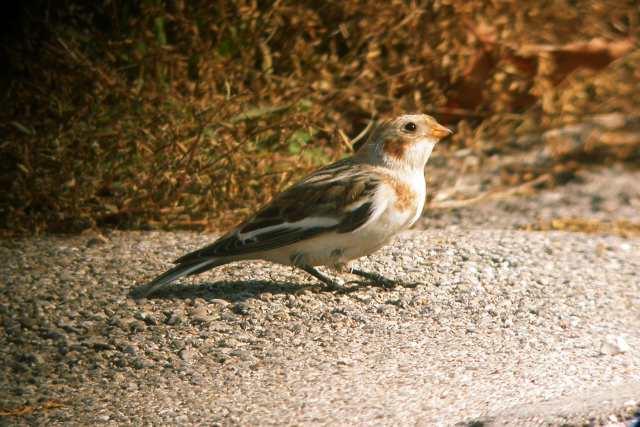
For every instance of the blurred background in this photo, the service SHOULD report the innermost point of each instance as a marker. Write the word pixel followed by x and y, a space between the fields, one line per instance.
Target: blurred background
pixel 190 114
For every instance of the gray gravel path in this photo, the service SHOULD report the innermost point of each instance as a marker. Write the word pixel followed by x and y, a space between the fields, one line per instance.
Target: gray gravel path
pixel 607 194
pixel 502 327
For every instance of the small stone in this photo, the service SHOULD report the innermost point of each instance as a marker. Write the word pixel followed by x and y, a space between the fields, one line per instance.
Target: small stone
pixel 28 322
pixel 72 357
pixel 97 240
pixel 241 354
pixel 200 311
pixel 146 317
pixel 119 363
pixel 622 345
pixel 228 317
pixel 344 362
pixel 363 298
pixel 204 320
pixel 187 355
pixel 137 326
pixel 31 359
pixel 130 349
pixel 265 296
pixel 613 345
pixel 196 379
pixel 55 334
pixel 201 315
pixel 68 327
pixel 385 308
pixel 100 345
pixel 241 308
pixel 142 362
pixel 174 318
pixel 220 302
pixel 12 327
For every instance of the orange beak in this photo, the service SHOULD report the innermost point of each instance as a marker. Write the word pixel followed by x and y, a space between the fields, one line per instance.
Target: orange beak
pixel 440 131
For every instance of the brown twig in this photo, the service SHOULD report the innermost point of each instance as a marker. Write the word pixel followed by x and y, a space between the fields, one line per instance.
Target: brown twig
pixel 492 195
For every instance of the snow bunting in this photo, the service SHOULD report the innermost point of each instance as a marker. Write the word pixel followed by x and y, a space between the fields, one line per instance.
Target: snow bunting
pixel 341 212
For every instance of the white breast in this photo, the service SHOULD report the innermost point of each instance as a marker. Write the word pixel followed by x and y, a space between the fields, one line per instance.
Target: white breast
pixel 396 218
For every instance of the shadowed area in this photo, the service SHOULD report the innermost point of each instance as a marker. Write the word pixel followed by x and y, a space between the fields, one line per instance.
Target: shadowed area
pixel 241 290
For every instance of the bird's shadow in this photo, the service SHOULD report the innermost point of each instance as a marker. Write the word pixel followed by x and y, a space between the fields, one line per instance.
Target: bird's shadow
pixel 238 291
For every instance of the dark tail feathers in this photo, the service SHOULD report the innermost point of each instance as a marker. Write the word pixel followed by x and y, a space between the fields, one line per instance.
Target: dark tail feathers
pixel 180 270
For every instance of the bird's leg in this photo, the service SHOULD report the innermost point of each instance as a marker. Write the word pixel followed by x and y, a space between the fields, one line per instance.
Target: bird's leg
pixel 328 281
pixel 298 261
pixel 371 277
pixel 375 278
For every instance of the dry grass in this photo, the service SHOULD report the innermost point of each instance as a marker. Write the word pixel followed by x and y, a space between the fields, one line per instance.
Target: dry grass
pixel 189 114
pixel 622 228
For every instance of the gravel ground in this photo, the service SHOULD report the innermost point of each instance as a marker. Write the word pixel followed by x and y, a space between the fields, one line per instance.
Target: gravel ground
pixel 601 195
pixel 494 326
pixel 499 319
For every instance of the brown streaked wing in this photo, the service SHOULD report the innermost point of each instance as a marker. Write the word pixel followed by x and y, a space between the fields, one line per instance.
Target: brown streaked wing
pixel 319 195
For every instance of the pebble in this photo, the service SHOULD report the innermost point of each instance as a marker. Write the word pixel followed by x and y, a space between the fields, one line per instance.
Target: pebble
pixel 187 355
pixel 181 419
pixel 200 311
pixel 201 315
pixel 55 334
pixel 613 345
pixel 385 309
pixel 265 296
pixel 242 354
pixel 137 326
pixel 31 359
pixel 242 308
pixel 130 349
pixel 100 345
pixel 147 317
pixel 174 318
pixel 142 363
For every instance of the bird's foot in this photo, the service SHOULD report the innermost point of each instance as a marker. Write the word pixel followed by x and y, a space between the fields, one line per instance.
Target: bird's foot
pixel 328 282
pixel 376 278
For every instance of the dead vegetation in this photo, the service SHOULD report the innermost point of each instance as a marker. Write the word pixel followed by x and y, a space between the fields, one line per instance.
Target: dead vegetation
pixel 622 228
pixel 189 114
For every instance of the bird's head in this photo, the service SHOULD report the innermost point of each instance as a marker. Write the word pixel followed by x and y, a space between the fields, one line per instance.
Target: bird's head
pixel 403 142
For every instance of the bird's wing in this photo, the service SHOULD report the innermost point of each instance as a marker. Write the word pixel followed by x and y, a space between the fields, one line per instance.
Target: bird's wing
pixel 338 198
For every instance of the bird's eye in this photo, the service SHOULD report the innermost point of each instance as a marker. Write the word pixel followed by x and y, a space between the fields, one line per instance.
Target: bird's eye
pixel 410 127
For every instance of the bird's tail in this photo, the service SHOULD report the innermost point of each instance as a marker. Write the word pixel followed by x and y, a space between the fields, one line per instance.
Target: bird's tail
pixel 180 270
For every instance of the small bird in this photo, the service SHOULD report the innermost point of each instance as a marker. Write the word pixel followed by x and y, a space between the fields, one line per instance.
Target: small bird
pixel 341 212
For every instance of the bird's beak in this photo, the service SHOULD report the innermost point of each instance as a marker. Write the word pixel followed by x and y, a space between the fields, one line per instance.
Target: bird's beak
pixel 440 132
